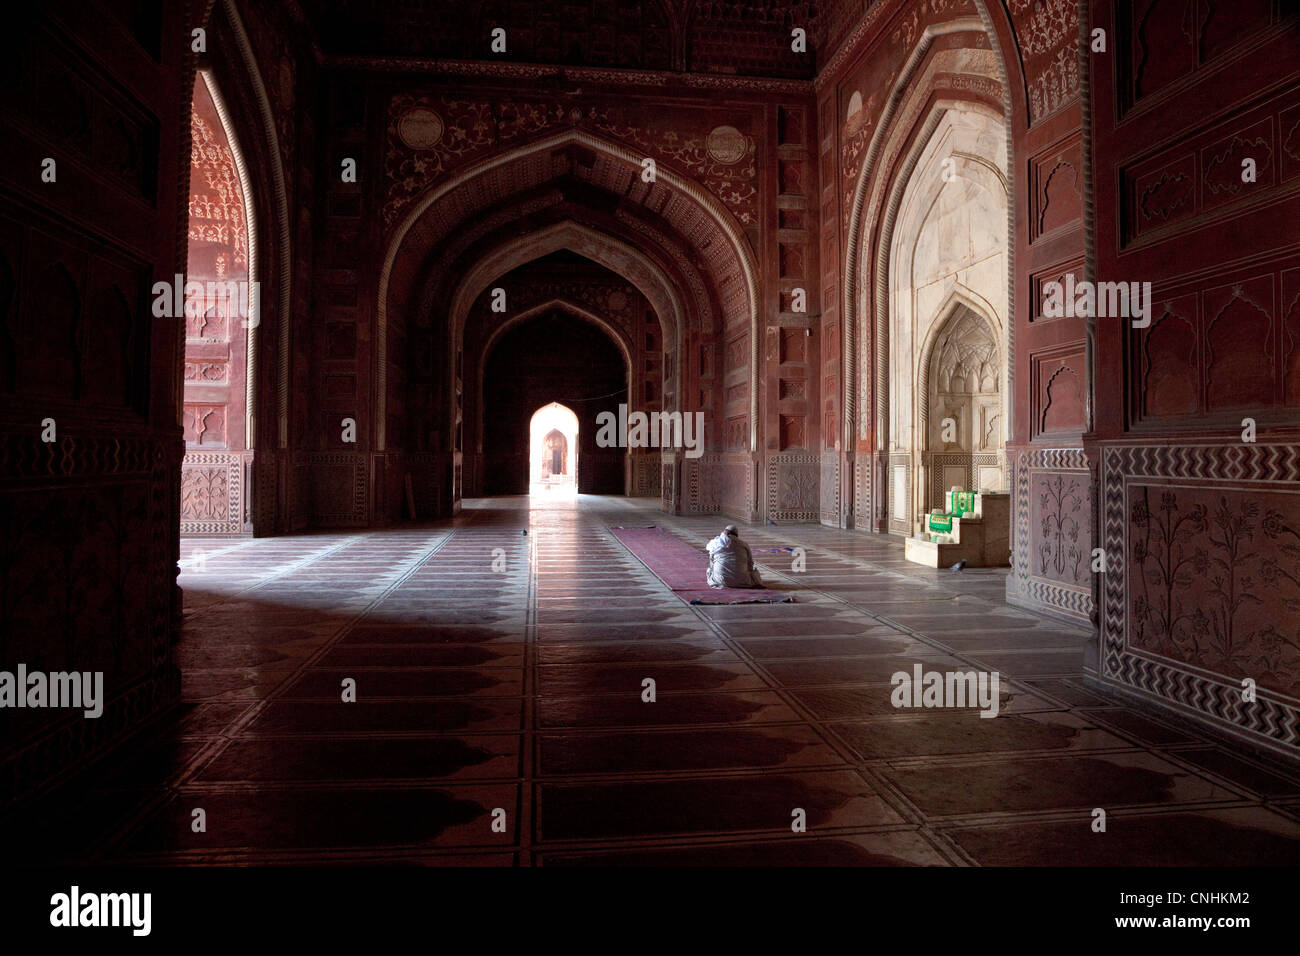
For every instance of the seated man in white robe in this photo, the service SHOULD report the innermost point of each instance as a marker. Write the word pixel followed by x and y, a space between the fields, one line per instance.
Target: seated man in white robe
pixel 731 563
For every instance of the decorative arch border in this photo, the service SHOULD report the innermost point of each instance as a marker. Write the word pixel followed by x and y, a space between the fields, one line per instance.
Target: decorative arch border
pixel 254 318
pixel 959 298
pixel 853 251
pixel 506 257
pixel 1009 114
pixel 709 203
pixel 652 282
pixel 691 283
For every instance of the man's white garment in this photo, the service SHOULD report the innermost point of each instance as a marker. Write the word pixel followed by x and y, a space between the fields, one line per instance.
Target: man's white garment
pixel 731 563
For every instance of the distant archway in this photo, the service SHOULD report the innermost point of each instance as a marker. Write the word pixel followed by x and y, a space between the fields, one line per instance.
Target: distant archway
pixel 552 359
pixel 553 444
pixel 676 223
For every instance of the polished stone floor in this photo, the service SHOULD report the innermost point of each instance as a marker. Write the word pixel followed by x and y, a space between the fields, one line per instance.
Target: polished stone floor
pixel 499 717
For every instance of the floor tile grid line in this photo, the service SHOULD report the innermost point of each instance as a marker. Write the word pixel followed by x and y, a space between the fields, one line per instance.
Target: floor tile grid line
pixel 897 626
pixel 871 769
pixel 525 821
pixel 520 821
pixel 732 644
pixel 1247 799
pixel 307 857
pixel 540 552
pixel 188 562
pixel 1045 817
pixel 1172 755
pixel 1081 816
pixel 172 785
pixel 1288 774
pixel 226 736
pixel 598 525
pixel 734 839
pixel 596 529
pixel 956 653
pixel 882 785
pixel 705 838
pixel 890 794
pixel 1289 810
pixel 924 581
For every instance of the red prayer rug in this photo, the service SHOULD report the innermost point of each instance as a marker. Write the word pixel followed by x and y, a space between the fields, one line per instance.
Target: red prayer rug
pixel 682 567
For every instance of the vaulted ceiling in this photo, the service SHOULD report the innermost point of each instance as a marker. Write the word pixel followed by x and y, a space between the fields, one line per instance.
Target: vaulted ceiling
pixel 739 37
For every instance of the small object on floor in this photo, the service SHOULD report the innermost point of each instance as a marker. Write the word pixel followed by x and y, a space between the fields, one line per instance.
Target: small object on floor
pixel 525 531
pixel 959 566
pixel 771 522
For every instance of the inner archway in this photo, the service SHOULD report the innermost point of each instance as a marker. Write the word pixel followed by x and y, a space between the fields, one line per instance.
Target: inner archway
pixel 553 359
pixel 960 402
pixel 553 441
pixel 947 303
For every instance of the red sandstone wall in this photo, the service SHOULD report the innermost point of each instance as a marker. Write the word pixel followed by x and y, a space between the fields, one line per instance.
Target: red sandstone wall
pixel 1200 526
pixel 214 499
pixel 861 151
pixel 1050 482
pixel 88 523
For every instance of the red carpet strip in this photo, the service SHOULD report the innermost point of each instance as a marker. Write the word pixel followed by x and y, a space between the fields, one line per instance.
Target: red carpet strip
pixel 682 567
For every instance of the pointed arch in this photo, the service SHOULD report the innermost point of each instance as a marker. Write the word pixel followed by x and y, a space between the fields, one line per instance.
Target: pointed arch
pixel 853 253
pixel 960 300
pixel 731 255
pixel 280 204
pixel 889 257
pixel 254 318
pixel 563 305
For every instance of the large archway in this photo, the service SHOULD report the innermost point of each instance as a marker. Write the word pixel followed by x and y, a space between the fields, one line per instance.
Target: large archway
pixel 670 240
pixel 947 303
pixel 943 131
pixel 569 283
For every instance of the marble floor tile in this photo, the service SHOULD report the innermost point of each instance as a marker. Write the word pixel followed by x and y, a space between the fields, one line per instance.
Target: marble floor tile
pixel 522 691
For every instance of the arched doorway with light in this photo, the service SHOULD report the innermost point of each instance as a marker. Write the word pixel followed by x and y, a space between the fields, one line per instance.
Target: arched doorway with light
pixel 553 451
pixel 554 360
pixel 222 312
